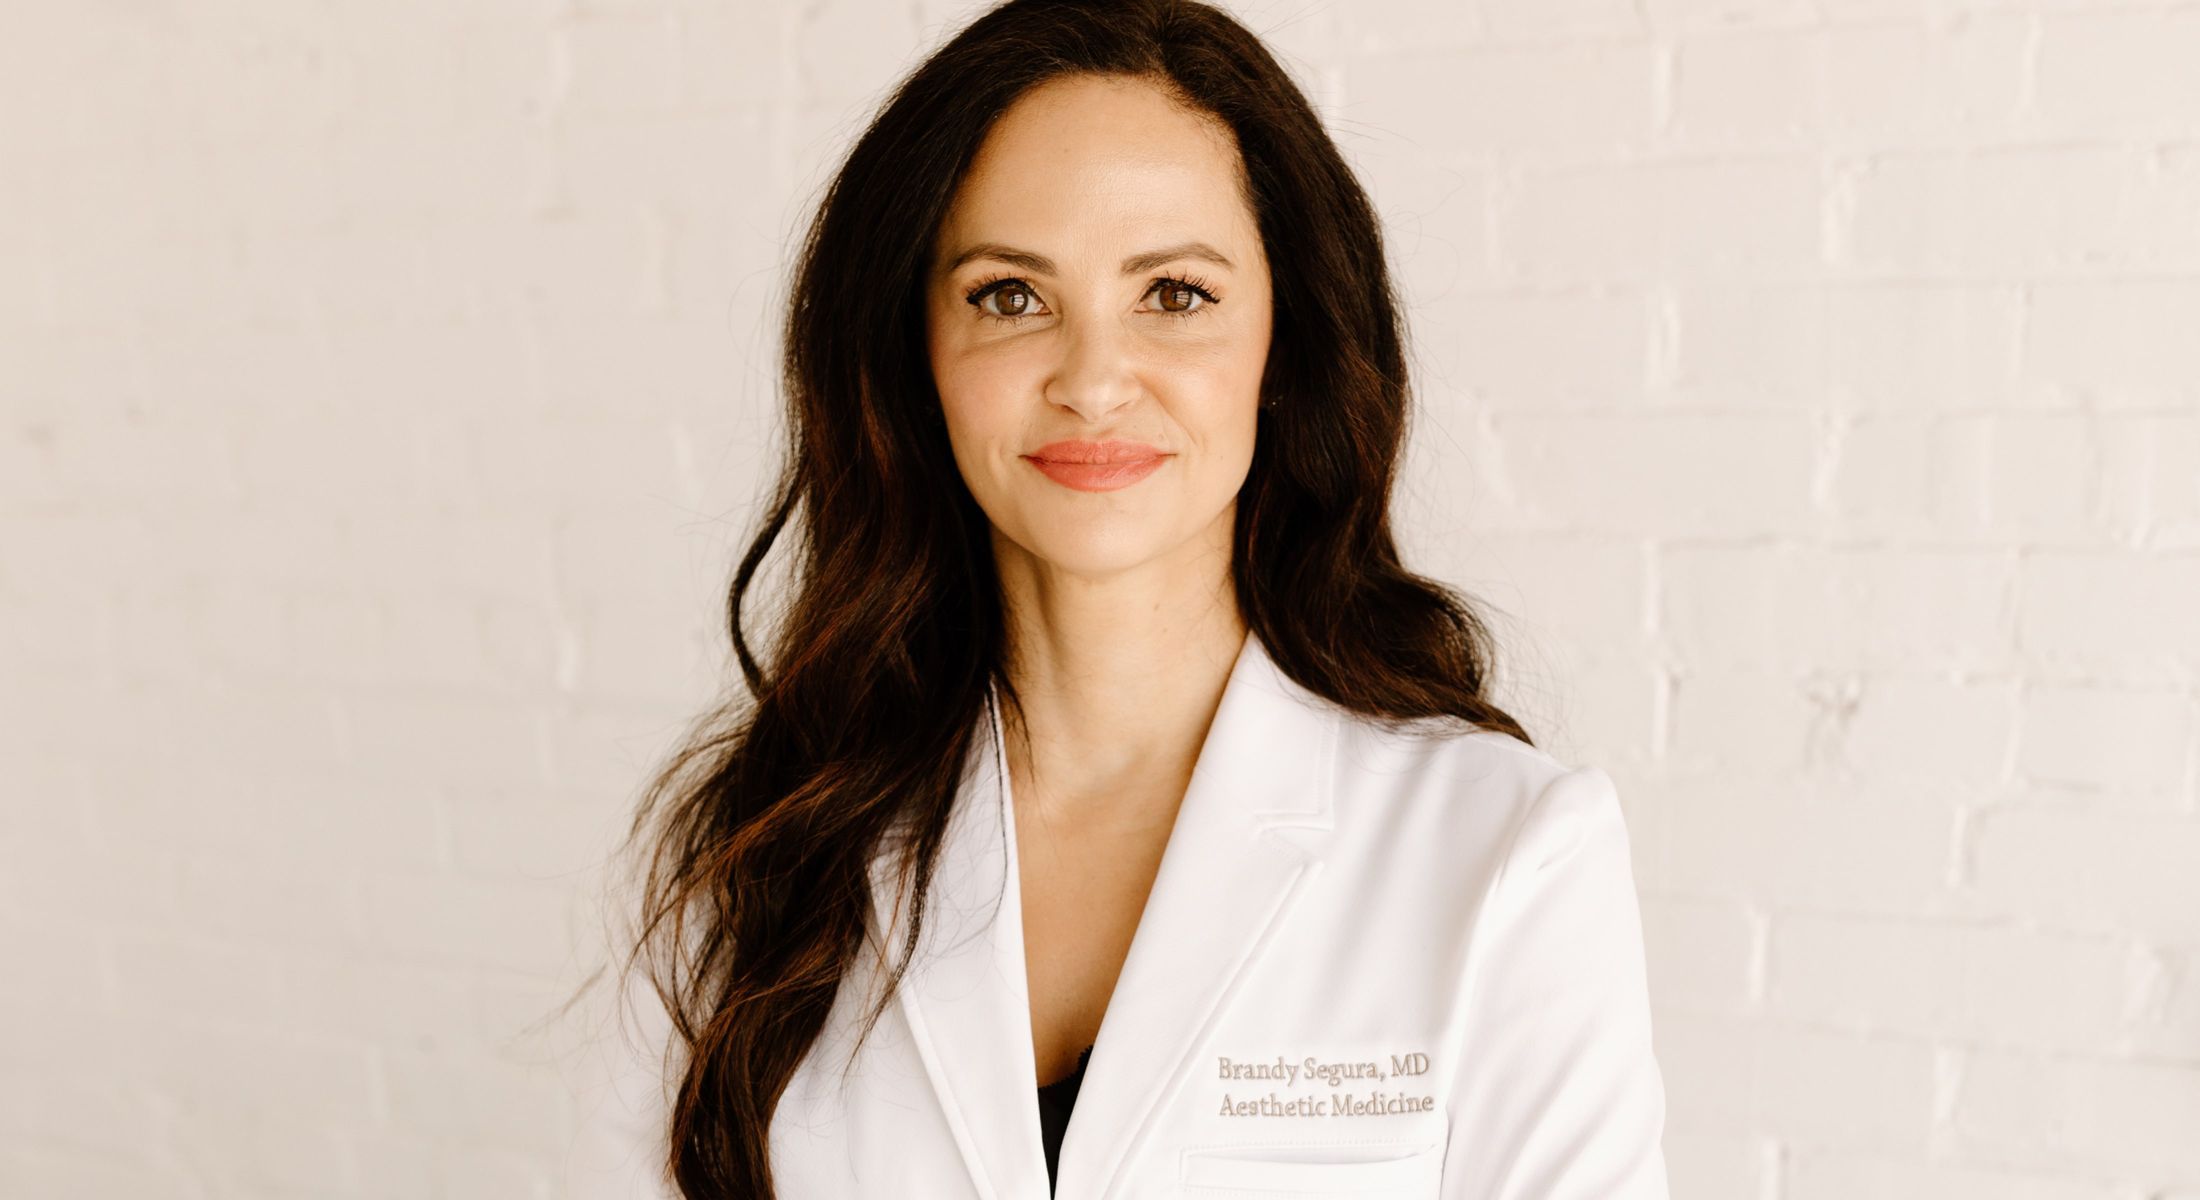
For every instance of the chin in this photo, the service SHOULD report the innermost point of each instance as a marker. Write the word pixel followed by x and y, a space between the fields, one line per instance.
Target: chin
pixel 1096 560
pixel 1100 547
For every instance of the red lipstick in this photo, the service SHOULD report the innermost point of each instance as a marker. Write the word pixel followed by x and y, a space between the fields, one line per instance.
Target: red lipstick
pixel 1096 466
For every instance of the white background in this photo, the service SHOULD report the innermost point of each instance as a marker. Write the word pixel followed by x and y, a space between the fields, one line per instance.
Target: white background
pixel 1811 388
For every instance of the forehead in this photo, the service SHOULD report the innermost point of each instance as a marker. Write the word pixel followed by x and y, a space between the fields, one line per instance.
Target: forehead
pixel 1091 164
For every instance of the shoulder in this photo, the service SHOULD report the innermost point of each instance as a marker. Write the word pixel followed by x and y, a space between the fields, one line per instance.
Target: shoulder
pixel 1478 795
pixel 1452 764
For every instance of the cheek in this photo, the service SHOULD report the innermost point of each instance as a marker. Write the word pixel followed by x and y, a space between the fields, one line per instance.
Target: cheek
pixel 1226 392
pixel 976 400
pixel 983 419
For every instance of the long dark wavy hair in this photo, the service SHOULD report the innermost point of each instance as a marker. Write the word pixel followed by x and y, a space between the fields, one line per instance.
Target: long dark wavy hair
pixel 758 835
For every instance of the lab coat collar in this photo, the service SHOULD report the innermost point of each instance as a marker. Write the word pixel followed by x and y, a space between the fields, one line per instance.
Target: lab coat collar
pixel 1224 883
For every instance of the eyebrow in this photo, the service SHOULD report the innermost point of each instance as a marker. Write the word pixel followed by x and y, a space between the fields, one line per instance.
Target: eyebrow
pixel 1041 264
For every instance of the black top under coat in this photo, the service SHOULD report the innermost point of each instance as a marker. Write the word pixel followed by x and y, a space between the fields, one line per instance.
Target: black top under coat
pixel 1055 1101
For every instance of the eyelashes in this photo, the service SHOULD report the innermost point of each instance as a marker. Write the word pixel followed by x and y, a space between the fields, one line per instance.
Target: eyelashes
pixel 1191 283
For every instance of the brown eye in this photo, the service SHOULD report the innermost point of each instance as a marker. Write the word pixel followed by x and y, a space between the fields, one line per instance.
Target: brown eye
pixel 1022 300
pixel 1182 297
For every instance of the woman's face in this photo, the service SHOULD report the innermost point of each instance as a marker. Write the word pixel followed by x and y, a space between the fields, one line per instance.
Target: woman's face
pixel 1099 278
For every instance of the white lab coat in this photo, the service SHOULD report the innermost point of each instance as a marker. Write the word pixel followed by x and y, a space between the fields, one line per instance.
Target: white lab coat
pixel 1373 964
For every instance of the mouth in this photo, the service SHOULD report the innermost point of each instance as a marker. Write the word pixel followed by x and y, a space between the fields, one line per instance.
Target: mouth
pixel 1097 466
pixel 1076 451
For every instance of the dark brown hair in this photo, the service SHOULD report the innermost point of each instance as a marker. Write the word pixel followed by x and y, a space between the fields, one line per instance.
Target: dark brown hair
pixel 759 832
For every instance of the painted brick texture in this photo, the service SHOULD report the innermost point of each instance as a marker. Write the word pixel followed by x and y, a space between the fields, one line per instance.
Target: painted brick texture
pixel 1810 387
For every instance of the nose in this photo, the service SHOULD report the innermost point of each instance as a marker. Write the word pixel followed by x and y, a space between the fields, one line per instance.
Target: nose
pixel 1095 376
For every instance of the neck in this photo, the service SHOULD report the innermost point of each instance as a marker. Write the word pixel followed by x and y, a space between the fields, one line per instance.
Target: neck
pixel 1119 678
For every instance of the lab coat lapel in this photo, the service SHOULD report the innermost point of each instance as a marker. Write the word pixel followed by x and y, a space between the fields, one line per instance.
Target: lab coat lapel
pixel 1225 883
pixel 1223 888
pixel 966 996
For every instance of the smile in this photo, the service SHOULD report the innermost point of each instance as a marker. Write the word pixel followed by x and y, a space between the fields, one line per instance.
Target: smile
pixel 1097 476
pixel 1101 466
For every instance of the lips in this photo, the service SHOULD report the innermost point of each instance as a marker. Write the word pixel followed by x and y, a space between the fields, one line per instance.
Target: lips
pixel 1096 466
pixel 1095 452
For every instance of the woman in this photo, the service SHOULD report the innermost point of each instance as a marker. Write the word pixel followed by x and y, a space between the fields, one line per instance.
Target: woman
pixel 1109 761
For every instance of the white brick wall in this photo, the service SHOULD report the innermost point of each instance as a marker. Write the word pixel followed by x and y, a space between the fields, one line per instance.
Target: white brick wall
pixel 1812 387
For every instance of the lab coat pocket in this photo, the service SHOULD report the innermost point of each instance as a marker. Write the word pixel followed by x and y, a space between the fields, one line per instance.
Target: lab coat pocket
pixel 1367 1171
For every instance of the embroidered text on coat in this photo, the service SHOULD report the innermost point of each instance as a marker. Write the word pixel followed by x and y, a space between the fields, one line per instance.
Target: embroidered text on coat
pixel 1313 1070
